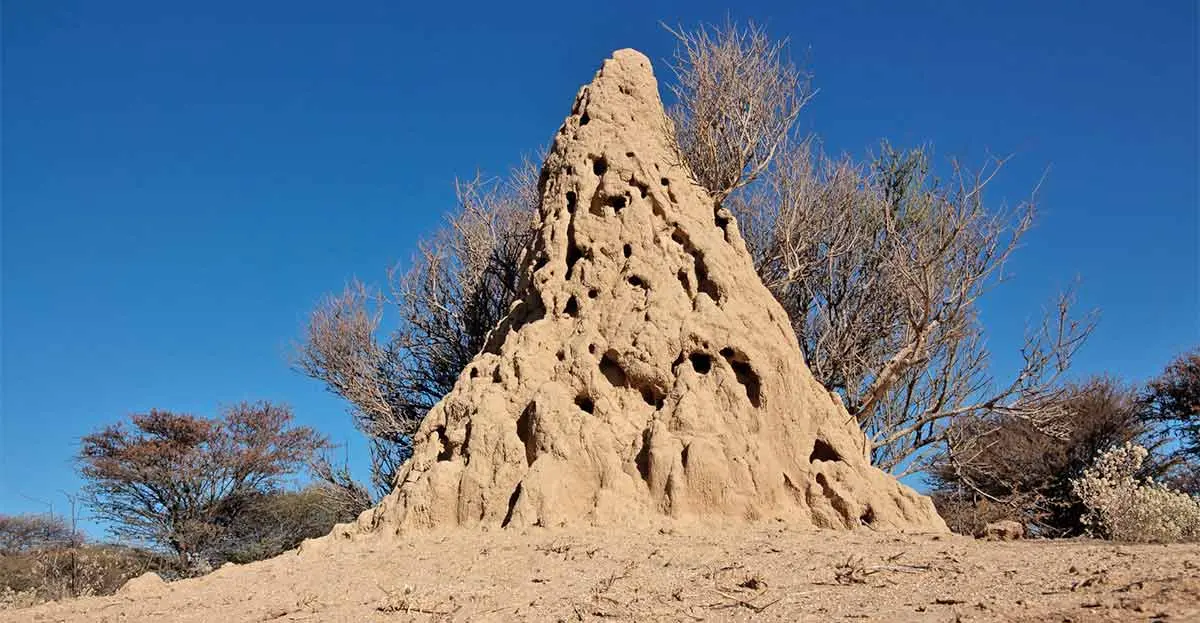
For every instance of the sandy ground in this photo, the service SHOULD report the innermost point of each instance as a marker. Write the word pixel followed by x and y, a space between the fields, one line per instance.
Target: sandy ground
pixel 757 573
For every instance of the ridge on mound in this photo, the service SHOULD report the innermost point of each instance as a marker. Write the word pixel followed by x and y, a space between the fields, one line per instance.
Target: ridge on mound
pixel 645 371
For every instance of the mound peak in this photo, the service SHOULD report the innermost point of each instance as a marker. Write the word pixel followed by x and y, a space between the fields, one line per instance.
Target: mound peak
pixel 645 371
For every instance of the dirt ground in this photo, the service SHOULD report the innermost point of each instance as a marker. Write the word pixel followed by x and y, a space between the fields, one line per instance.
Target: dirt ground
pixel 755 573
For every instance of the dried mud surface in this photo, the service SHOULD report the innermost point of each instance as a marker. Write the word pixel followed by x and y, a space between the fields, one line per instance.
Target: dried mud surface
pixel 698 573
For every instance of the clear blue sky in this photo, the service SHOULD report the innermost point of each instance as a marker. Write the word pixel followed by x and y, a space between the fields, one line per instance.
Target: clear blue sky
pixel 183 181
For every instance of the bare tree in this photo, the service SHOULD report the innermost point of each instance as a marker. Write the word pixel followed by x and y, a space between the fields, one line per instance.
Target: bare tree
pixel 737 98
pixel 456 290
pixel 880 269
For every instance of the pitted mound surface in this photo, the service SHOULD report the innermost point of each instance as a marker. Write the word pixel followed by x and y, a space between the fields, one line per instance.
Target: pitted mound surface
pixel 646 372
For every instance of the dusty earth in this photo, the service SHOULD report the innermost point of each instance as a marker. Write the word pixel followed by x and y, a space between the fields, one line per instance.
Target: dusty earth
pixel 728 573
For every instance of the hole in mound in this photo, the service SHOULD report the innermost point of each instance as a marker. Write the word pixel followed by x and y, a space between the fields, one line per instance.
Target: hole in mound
pixel 642 188
pixel 665 182
pixel 561 355
pixel 628 154
pixel 635 281
pixel 721 219
pixel 679 238
pixel 512 504
pixel 728 352
pixel 599 166
pixel 627 250
pixel 612 370
pixel 683 456
pixel 525 430
pixel 592 348
pixel 571 201
pixel 822 451
pixel 617 203
pixel 701 362
pixel 541 261
pixel 446 452
pixel 584 119
pixel 868 516
pixel 652 397
pixel 474 373
pixel 824 482
pixel 593 293
pixel 572 308
pixel 496 375
pixel 585 404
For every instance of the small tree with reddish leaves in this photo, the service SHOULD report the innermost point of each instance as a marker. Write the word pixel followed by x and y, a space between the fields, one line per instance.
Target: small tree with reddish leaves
pixel 171 479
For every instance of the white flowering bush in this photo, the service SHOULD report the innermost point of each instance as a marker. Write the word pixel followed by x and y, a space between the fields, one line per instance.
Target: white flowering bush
pixel 1122 507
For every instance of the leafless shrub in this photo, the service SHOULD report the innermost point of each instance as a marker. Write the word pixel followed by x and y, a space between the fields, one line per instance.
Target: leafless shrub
pixel 67 571
pixel 22 533
pixel 738 96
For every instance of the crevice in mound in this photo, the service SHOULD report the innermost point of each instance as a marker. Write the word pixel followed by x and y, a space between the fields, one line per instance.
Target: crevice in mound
pixel 585 404
pixel 642 459
pixel 822 451
pixel 685 281
pixel 573 252
pixel 464 451
pixel 706 285
pixel 683 456
pixel 525 431
pixel 836 501
pixel 868 516
pixel 571 201
pixel 745 375
pixel 512 505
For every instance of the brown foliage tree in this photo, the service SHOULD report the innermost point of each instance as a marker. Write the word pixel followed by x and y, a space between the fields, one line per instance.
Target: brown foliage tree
pixel 1173 399
pixel 1008 468
pixel 170 478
